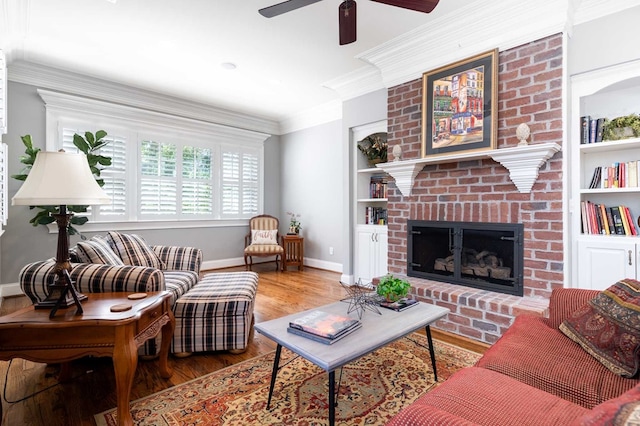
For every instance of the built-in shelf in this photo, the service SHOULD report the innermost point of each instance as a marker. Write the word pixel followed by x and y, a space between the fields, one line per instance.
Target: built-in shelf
pixel 523 163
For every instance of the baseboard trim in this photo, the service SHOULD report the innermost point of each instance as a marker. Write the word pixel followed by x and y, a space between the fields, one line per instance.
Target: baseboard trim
pixel 10 290
pixel 461 341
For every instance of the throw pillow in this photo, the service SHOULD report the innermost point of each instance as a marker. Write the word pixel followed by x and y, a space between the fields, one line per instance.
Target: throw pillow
pixel 264 237
pixel 133 250
pixel 97 250
pixel 608 327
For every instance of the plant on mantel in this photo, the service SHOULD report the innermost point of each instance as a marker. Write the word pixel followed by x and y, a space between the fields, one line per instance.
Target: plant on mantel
pixel 374 148
pixel 89 144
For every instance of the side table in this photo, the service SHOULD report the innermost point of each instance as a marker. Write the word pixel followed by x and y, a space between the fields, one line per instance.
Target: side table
pixel 30 334
pixel 293 251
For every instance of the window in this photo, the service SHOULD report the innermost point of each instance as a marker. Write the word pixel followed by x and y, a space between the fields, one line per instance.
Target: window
pixel 163 168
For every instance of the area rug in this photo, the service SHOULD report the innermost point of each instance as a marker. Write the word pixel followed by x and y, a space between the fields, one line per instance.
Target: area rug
pixel 372 390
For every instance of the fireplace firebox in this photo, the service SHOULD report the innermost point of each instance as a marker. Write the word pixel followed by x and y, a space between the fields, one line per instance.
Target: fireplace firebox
pixel 488 256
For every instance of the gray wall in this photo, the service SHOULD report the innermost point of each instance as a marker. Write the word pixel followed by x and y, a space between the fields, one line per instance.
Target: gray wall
pixel 312 186
pixel 23 243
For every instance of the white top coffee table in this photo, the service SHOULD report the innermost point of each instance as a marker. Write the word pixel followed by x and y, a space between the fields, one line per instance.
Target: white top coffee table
pixel 377 330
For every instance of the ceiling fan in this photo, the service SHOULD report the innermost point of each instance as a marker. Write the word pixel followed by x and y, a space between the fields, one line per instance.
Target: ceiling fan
pixel 347 12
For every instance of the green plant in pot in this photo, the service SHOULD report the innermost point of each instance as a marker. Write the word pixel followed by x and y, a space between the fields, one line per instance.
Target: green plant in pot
pixel 392 288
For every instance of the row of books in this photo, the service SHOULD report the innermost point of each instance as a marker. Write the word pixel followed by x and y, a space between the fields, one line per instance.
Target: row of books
pixel 375 216
pixel 591 129
pixel 618 175
pixel 378 186
pixel 599 219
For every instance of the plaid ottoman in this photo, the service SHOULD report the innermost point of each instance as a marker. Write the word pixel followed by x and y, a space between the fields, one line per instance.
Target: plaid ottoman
pixel 216 314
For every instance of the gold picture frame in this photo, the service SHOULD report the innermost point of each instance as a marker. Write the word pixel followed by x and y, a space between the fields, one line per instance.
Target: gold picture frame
pixel 460 106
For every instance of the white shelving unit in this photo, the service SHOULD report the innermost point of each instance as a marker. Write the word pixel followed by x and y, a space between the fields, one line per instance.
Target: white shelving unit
pixel 599 260
pixel 370 240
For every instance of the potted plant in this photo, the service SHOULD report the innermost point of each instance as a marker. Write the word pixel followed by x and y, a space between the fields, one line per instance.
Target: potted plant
pixel 392 288
pixel 627 126
pixel 294 224
pixel 374 147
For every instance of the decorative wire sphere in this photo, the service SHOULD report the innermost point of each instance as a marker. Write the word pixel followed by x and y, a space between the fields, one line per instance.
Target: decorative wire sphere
pixel 522 133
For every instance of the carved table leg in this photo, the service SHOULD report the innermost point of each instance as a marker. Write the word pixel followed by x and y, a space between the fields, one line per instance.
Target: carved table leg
pixel 125 360
pixel 167 335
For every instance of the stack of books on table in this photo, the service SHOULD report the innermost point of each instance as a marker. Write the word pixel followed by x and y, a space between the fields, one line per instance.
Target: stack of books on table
pixel 323 327
pixel 400 305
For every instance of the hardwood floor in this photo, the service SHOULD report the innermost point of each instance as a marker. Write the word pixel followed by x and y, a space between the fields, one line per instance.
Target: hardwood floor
pixel 92 389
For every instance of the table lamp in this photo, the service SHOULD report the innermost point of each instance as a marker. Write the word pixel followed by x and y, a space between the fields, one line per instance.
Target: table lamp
pixel 61 178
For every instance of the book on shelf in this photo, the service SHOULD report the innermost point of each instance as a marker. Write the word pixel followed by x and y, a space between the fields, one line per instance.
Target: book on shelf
pixel 600 219
pixel 584 129
pixel 617 175
pixel 323 324
pixel 399 305
pixel 322 339
pixel 378 186
pixel 375 216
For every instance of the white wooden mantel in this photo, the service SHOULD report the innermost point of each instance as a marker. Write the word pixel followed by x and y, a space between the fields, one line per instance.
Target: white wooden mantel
pixel 523 163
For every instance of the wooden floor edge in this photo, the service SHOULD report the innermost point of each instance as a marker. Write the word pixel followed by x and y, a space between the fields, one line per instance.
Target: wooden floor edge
pixel 461 341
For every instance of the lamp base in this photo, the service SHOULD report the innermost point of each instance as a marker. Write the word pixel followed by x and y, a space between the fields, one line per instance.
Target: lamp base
pixel 62 295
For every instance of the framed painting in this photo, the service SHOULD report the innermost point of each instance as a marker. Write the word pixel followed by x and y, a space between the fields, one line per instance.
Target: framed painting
pixel 459 106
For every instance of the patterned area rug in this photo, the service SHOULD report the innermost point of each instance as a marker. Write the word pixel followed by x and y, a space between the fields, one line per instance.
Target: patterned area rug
pixel 372 390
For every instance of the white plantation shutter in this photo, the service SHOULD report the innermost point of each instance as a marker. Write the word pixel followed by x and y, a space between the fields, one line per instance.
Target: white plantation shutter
pixel 3 93
pixel 114 176
pixel 240 182
pixel 158 187
pixel 197 181
pixel 4 175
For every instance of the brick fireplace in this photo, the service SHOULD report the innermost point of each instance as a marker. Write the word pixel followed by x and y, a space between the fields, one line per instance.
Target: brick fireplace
pixel 530 91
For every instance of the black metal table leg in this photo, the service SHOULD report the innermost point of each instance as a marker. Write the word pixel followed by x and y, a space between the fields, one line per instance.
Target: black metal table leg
pixel 274 373
pixel 432 353
pixel 332 398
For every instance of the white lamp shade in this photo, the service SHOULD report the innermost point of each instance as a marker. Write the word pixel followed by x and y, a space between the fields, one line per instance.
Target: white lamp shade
pixel 60 178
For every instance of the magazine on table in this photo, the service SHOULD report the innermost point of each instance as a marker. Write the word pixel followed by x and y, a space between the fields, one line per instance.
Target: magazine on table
pixel 325 340
pixel 399 305
pixel 323 324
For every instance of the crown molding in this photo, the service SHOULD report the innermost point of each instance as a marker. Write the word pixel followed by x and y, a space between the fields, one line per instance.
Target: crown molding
pixel 325 113
pixel 588 10
pixel 364 80
pixel 503 24
pixel 90 87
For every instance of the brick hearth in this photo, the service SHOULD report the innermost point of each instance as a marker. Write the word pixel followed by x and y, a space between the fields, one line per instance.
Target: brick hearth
pixel 530 91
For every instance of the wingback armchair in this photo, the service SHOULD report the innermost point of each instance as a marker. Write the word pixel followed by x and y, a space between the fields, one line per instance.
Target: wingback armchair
pixel 262 240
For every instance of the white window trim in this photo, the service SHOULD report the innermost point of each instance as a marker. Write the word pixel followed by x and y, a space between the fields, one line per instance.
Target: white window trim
pixel 62 106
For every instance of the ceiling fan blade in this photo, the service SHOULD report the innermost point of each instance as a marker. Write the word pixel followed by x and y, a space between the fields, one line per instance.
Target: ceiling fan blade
pixel 347 21
pixel 425 6
pixel 284 7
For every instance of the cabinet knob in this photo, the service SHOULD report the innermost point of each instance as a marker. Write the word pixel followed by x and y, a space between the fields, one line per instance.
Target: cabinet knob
pixel 630 257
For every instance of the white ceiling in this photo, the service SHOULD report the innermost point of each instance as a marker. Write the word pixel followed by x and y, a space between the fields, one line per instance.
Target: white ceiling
pixel 286 64
pixel 177 47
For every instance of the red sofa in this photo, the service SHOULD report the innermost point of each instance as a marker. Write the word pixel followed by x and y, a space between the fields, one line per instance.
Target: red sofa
pixel 533 375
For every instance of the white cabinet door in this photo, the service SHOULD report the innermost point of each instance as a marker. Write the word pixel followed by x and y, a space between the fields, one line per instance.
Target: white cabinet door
pixel 371 253
pixel 602 263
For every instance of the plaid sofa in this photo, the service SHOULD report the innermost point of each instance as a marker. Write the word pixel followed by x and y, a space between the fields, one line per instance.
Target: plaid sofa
pixel 533 375
pixel 180 273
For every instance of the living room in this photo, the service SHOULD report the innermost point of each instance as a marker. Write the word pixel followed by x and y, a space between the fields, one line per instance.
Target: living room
pixel 319 155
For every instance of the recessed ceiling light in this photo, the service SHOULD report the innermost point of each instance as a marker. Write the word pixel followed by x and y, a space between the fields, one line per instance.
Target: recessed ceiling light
pixel 228 65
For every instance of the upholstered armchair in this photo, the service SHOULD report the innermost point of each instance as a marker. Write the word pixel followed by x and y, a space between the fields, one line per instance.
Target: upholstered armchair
pixel 262 240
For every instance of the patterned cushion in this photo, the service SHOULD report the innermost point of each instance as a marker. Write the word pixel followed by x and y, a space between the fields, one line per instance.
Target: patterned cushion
pixel 608 327
pixel 264 236
pixel 97 250
pixel 133 250
pixel 623 411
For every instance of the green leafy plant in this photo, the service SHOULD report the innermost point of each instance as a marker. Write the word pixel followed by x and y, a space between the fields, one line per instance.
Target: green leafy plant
pixel 374 147
pixel 616 128
pixel 294 223
pixel 89 144
pixel 392 288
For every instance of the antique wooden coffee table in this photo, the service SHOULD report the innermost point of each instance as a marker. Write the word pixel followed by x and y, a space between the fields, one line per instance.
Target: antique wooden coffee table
pixel 378 329
pixel 30 334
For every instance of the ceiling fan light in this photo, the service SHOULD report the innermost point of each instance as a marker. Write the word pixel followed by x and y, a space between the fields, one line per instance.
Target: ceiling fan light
pixel 347 21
